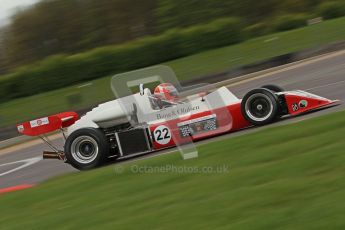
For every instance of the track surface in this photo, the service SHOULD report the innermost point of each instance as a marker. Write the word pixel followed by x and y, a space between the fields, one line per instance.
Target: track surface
pixel 325 78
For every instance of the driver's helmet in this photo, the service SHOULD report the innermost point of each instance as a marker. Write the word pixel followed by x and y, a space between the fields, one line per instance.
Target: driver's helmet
pixel 166 91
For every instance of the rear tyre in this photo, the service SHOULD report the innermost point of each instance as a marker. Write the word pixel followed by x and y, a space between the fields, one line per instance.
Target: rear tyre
pixel 86 148
pixel 260 106
pixel 274 88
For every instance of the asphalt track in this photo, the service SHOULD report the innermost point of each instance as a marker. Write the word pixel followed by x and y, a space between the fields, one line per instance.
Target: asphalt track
pixel 325 77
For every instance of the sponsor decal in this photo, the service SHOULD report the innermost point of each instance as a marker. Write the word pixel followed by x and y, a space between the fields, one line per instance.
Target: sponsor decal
pixel 39 122
pixel 172 113
pixel 20 128
pixel 294 107
pixel 303 104
pixel 197 125
pixel 162 135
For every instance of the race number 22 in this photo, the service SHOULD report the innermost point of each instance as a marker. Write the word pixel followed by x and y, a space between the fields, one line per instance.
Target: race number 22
pixel 162 135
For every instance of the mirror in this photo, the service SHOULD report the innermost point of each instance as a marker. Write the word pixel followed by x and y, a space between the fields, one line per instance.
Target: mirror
pixel 141 89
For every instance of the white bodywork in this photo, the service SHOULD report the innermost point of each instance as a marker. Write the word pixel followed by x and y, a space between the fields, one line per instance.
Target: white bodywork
pixel 121 111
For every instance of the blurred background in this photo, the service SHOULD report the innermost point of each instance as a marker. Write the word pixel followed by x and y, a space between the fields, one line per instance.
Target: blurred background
pixel 59 55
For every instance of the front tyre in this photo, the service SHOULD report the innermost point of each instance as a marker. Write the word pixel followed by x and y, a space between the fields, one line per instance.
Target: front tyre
pixel 86 148
pixel 260 106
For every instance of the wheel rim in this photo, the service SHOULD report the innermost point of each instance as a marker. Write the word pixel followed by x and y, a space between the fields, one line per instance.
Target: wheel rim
pixel 259 107
pixel 84 149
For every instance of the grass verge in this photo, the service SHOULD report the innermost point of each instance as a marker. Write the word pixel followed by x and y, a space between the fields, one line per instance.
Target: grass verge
pixel 288 177
pixel 190 67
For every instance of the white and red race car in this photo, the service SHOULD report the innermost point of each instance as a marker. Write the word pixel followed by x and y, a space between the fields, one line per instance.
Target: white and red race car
pixel 145 122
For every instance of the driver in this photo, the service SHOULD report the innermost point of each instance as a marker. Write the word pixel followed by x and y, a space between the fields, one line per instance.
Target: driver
pixel 167 92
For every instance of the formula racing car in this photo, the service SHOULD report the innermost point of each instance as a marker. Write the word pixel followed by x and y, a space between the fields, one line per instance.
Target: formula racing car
pixel 148 121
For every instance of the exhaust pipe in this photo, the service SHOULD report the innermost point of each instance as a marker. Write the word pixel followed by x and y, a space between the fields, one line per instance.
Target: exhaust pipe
pixel 53 155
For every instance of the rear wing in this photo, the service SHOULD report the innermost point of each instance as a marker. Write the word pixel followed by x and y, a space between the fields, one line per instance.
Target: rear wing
pixel 42 126
pixel 48 124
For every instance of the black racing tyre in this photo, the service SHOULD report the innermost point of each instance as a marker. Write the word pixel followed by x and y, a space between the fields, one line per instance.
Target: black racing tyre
pixel 86 148
pixel 260 106
pixel 274 88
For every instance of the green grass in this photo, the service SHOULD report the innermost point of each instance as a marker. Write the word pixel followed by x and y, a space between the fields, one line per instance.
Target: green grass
pixel 288 177
pixel 190 67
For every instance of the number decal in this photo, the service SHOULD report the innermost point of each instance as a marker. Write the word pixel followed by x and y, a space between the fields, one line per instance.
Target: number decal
pixel 167 133
pixel 162 135
pixel 158 135
pixel 294 107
